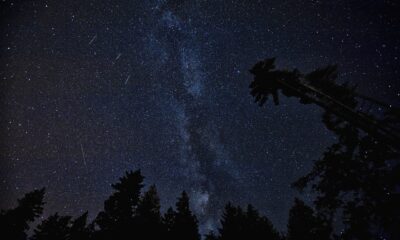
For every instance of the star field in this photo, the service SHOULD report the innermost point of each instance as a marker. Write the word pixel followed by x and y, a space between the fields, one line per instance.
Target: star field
pixel 90 89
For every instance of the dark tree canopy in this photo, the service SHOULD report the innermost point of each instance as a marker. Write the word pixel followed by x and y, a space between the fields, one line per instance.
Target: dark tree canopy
pixel 128 214
pixel 246 224
pixel 303 223
pixel 148 216
pixel 15 222
pixel 357 178
pixel 79 229
pixel 54 227
pixel 320 87
pixel 118 216
pixel 182 223
pixel 57 227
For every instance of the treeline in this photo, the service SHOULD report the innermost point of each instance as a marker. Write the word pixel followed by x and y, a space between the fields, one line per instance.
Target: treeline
pixel 356 181
pixel 131 213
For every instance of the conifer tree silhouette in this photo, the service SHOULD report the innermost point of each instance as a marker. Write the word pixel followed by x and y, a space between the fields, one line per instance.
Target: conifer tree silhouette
pixel 79 228
pixel 54 227
pixel 168 221
pixel 15 222
pixel 117 219
pixel 320 87
pixel 303 224
pixel 359 175
pixel 148 217
pixel 239 224
pixel 57 227
pixel 182 224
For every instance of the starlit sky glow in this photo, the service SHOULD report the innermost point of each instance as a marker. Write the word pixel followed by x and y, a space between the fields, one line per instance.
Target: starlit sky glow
pixel 90 89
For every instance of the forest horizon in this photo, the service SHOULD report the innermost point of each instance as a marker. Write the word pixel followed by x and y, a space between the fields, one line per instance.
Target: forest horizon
pixel 200 119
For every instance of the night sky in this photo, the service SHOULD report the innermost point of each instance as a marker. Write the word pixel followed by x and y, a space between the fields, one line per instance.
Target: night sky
pixel 90 89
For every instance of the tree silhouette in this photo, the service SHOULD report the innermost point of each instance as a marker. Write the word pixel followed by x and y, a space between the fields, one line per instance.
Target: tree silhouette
pixel 148 217
pixel 57 227
pixel 79 229
pixel 15 222
pixel 304 225
pixel 54 227
pixel 366 215
pixel 359 175
pixel 182 223
pixel 168 221
pixel 117 219
pixel 319 87
pixel 239 224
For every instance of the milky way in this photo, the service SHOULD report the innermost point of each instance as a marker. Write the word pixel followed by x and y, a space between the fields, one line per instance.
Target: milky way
pixel 91 89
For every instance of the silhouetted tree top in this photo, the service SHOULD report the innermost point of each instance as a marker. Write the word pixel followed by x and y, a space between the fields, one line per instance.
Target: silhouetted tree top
pixel 57 227
pixel 54 227
pixel 304 224
pixel 360 176
pixel 149 203
pixel 130 214
pixel 31 205
pixel 15 222
pixel 147 218
pixel 320 87
pixel 130 183
pixel 169 219
pixel 117 219
pixel 79 228
pixel 239 224
pixel 356 175
pixel 122 203
pixel 181 224
pixel 182 206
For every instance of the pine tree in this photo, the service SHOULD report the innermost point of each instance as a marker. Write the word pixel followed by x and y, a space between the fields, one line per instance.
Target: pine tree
pixel 239 224
pixel 259 227
pixel 54 227
pixel 117 219
pixel 15 222
pixel 182 224
pixel 148 218
pixel 57 227
pixel 168 220
pixel 79 229
pixel 232 223
pixel 303 224
pixel 357 178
